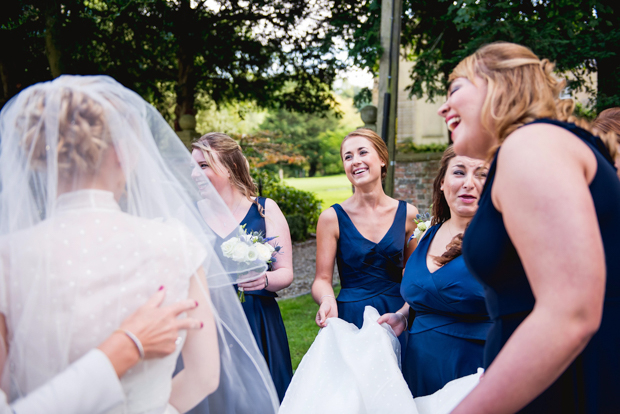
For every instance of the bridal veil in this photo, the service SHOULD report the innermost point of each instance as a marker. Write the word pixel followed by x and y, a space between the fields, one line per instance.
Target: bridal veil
pixel 68 279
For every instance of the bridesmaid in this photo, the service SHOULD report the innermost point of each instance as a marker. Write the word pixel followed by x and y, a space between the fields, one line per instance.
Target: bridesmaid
pixel 446 338
pixel 366 235
pixel 222 161
pixel 544 243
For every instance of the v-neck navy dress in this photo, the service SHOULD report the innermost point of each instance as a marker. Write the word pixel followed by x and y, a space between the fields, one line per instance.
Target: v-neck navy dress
pixel 265 319
pixel 370 273
pixel 446 339
pixel 591 383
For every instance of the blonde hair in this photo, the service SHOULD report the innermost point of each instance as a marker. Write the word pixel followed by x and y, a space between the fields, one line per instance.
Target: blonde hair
pixel 229 159
pixel 377 143
pixel 520 88
pixel 607 126
pixel 82 133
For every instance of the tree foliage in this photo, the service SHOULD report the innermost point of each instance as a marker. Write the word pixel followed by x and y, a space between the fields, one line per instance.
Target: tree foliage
pixel 581 36
pixel 228 50
pixel 312 136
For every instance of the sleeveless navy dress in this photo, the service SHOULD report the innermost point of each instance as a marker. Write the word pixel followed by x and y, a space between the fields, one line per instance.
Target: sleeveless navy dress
pixel 591 382
pixel 265 320
pixel 446 339
pixel 370 273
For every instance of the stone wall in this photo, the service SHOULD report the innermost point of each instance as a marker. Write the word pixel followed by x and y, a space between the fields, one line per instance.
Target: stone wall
pixel 413 178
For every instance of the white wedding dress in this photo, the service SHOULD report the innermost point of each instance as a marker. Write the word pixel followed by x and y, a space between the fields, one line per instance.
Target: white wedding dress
pixel 102 264
pixel 356 371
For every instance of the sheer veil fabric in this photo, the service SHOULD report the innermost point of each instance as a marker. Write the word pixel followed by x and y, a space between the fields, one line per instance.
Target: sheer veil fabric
pixel 97 210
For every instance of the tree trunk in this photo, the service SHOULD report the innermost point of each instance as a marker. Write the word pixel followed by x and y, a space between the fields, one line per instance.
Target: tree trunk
pixel 186 86
pixel 53 23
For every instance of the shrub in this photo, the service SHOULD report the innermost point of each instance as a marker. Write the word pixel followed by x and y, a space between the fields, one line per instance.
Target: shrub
pixel 301 208
pixel 409 147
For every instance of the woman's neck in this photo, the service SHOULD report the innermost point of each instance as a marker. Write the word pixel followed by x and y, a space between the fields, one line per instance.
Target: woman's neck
pixel 369 196
pixel 457 223
pixel 232 196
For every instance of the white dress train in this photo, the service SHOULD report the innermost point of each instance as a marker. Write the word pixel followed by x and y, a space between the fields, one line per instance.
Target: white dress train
pixel 356 371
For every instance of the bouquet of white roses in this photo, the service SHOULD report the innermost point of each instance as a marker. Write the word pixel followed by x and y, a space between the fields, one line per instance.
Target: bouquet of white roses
pixel 248 248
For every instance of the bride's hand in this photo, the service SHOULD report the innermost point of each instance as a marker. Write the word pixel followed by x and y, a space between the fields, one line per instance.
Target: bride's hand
pixel 328 309
pixel 395 320
pixel 157 327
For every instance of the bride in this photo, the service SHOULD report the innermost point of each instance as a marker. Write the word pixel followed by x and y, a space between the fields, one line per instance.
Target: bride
pixel 96 207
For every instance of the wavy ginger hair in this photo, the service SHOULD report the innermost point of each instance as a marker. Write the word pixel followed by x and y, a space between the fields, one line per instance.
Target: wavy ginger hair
pixel 520 88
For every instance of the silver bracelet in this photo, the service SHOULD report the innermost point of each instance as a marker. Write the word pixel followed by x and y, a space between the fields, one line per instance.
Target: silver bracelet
pixel 135 340
pixel 324 296
pixel 405 318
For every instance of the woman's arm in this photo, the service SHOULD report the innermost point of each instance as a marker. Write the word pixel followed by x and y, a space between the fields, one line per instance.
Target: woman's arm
pixel 327 233
pixel 541 188
pixel 281 275
pixel 201 357
pixel 410 227
pixel 95 376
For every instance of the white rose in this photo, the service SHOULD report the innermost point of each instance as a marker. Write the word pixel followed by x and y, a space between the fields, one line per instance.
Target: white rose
pixel 228 246
pixel 240 252
pixel 264 253
pixel 252 254
pixel 417 233
pixel 271 248
pixel 422 226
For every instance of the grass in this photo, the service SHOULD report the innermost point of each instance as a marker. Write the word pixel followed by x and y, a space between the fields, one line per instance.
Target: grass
pixel 330 190
pixel 298 315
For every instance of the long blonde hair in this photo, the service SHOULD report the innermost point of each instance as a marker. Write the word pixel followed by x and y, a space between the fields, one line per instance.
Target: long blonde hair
pixel 229 159
pixel 520 88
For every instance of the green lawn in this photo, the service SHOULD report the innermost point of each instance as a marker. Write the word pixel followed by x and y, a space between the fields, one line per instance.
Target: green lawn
pixel 298 314
pixel 331 189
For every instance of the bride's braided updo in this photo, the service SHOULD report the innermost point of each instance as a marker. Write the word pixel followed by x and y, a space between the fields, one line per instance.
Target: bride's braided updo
pixel 81 128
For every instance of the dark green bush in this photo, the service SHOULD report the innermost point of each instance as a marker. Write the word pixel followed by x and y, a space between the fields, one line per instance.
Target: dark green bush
pixel 301 208
pixel 409 147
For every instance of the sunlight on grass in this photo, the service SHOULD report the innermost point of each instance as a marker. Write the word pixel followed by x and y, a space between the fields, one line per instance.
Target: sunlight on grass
pixel 331 189
pixel 298 314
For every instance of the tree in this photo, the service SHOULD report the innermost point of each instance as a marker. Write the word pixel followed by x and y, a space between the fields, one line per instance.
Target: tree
pixel 308 132
pixel 581 36
pixel 223 48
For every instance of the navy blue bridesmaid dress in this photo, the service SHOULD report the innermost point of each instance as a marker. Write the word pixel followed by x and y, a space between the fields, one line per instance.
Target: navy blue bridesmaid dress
pixel 370 273
pixel 446 339
pixel 265 320
pixel 590 384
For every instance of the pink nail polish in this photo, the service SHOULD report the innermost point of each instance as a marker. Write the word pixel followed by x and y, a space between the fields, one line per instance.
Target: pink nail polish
pixel 161 287
pixel 196 303
pixel 201 325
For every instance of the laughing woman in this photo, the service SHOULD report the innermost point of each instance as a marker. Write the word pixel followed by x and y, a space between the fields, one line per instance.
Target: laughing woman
pixel 366 235
pixel 544 242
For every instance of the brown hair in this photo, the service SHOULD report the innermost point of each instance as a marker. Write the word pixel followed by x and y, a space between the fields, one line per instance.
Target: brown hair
pixel 521 88
pixel 229 159
pixel 376 142
pixel 441 210
pixel 607 126
pixel 82 133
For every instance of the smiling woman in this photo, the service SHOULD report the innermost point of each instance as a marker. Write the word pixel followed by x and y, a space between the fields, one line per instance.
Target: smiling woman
pixel 366 234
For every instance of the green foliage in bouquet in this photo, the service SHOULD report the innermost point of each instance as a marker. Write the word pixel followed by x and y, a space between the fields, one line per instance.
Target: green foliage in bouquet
pixel 301 208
